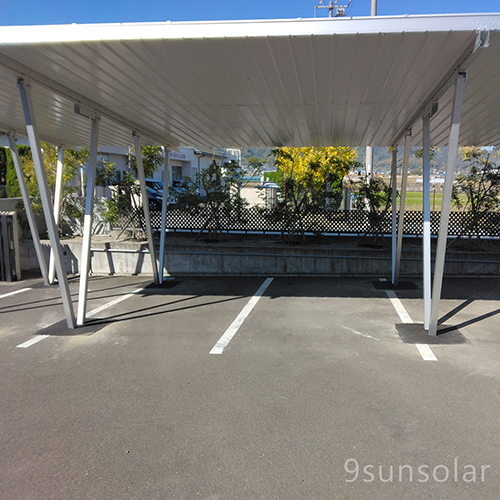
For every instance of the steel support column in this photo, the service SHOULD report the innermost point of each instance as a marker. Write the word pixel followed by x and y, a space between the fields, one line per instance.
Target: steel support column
pixel 402 202
pixel 427 220
pixel 87 222
pixel 57 207
pixel 369 163
pixel 43 187
pixel 164 208
pixel 145 205
pixel 394 184
pixel 446 204
pixel 29 210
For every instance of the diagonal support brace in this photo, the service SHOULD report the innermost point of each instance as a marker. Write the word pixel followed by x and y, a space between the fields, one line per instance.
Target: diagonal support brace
pixel 31 128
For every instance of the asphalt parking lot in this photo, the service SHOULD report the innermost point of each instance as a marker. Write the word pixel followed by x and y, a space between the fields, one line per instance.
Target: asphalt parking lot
pixel 249 388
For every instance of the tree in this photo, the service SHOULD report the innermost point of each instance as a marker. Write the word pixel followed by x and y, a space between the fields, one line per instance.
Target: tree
pixel 375 197
pixel 3 172
pixel 312 178
pixel 215 192
pixel 126 190
pixel 72 162
pixel 480 185
pixel 152 159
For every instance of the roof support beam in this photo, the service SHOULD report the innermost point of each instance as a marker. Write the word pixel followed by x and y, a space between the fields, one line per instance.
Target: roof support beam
pixel 87 222
pixel 57 207
pixel 36 152
pixel 26 72
pixel 461 79
pixel 446 82
pixel 164 207
pixel 402 202
pixel 145 204
pixel 426 240
pixel 394 183
pixel 27 206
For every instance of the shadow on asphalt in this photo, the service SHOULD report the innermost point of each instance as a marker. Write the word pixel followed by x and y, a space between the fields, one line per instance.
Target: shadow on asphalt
pixel 414 333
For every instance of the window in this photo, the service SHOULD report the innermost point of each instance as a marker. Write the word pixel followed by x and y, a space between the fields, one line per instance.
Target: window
pixel 176 173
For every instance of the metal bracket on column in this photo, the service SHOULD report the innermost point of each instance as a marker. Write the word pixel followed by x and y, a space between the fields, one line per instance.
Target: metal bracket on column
pixel 145 204
pixel 27 206
pixel 36 152
pixel 482 40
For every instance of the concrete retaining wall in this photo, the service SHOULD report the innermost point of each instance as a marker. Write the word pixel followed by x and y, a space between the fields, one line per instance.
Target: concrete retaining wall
pixel 131 258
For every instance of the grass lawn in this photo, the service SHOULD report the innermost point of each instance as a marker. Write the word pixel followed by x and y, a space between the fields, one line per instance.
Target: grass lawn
pixel 414 201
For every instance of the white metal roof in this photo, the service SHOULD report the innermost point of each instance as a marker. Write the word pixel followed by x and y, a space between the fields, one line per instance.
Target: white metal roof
pixel 348 81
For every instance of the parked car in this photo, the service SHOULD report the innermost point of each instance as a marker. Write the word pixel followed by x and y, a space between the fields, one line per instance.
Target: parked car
pixel 268 184
pixel 155 193
pixel 273 187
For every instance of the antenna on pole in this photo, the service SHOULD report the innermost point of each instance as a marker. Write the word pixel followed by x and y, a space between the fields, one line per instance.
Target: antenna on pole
pixel 333 5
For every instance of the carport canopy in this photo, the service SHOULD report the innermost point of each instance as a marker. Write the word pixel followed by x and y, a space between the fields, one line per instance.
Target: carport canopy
pixel 378 81
pixel 323 82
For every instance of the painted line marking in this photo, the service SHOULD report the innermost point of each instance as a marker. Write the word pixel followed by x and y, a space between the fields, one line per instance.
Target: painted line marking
pixel 114 302
pixel 235 325
pixel 37 338
pixel 424 349
pixel 32 341
pixel 398 305
pixel 426 352
pixel 14 293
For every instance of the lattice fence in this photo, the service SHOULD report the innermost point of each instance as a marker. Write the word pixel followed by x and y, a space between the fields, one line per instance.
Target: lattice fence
pixel 319 221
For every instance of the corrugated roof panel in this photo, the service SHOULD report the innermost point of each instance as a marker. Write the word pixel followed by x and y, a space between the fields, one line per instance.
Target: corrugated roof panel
pixel 351 82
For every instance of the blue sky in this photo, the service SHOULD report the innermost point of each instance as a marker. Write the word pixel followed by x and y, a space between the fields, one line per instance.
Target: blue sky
pixel 22 12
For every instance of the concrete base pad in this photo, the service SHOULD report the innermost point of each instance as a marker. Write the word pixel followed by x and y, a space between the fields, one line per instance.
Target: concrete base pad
pixel 415 334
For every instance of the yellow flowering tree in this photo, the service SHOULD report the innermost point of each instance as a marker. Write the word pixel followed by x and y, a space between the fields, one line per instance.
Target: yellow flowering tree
pixel 312 178
pixel 313 175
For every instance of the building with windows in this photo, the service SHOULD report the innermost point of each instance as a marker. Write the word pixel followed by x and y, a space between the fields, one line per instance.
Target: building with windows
pixel 183 163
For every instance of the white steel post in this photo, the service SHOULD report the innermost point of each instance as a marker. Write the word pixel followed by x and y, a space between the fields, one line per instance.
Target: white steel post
pixel 394 183
pixel 369 163
pixel 29 210
pixel 427 220
pixel 43 186
pixel 446 205
pixel 87 222
pixel 145 205
pixel 57 207
pixel 164 207
pixel 402 202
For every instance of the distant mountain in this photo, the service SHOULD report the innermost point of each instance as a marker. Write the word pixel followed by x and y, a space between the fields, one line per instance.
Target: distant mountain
pixel 382 159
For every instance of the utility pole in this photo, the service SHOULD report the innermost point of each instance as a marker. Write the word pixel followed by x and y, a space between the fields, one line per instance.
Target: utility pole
pixel 369 149
pixel 341 9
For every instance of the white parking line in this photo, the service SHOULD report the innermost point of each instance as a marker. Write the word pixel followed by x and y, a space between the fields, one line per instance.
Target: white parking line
pixel 14 293
pixel 424 349
pixel 426 352
pixel 235 325
pixel 398 305
pixel 32 341
pixel 37 338
pixel 114 302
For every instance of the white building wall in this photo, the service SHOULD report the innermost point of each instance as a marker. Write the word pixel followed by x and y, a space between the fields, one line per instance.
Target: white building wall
pixel 184 163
